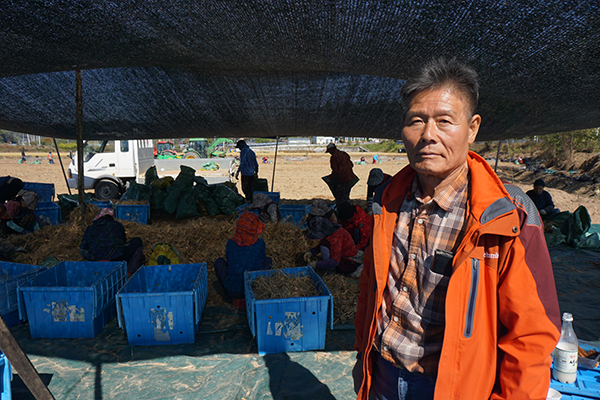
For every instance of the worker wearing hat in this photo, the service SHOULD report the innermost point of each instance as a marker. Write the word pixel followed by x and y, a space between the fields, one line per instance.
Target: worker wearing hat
pixel 375 180
pixel 248 168
pixel 342 178
pixel 541 198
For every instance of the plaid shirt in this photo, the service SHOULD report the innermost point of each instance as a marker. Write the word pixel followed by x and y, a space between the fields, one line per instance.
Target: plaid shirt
pixel 410 324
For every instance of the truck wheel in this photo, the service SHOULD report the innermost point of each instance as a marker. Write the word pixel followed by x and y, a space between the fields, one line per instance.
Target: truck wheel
pixel 191 155
pixel 106 190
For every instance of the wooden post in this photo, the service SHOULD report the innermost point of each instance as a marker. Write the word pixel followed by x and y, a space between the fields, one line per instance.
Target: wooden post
pixel 61 165
pixel 79 134
pixel 22 364
pixel 274 163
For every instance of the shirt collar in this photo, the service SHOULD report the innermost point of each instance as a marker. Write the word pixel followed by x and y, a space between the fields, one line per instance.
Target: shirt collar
pixel 448 197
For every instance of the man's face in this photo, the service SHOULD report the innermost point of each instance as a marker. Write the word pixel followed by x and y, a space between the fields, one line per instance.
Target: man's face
pixel 437 132
pixel 538 189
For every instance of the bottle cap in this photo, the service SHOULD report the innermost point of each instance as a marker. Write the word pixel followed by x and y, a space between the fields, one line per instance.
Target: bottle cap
pixel 567 317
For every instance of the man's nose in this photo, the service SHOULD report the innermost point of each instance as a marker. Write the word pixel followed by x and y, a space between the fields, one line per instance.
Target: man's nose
pixel 429 133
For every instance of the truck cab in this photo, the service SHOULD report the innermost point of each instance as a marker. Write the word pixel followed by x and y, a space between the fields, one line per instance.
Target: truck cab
pixel 110 164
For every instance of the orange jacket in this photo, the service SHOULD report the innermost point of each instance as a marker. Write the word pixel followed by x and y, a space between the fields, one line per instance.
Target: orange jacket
pixel 502 315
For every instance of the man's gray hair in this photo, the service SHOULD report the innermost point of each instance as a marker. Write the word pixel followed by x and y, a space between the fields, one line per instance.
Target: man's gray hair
pixel 438 73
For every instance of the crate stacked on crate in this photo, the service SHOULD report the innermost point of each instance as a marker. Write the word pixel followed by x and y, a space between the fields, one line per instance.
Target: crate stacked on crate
pixel 72 299
pixel 139 213
pixel 289 324
pixel 163 304
pixel 46 211
pixel 11 276
pixel 295 214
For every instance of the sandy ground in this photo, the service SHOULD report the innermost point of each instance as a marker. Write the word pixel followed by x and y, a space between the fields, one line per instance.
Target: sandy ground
pixel 298 176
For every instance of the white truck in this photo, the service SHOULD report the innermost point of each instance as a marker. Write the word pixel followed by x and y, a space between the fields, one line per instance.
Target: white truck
pixel 110 164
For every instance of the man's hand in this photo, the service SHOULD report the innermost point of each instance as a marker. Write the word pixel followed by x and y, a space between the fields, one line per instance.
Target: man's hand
pixel 307 256
pixel 313 264
pixel 543 212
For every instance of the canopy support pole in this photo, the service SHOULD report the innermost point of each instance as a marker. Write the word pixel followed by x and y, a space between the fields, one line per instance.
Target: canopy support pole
pixel 79 134
pixel 498 155
pixel 274 164
pixel 61 165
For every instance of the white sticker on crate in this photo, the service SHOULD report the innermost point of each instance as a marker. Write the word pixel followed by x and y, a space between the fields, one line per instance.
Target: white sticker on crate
pixel 61 311
pixel 162 322
pixel 290 328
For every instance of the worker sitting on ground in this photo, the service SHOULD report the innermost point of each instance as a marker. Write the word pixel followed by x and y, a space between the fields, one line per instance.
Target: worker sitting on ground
pixel 18 216
pixel 376 179
pixel 337 249
pixel 267 209
pixel 542 199
pixel 244 252
pixel 321 209
pixel 357 223
pixel 105 240
pixel 9 188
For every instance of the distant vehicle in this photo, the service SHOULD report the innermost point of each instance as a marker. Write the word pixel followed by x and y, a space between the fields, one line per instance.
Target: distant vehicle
pixel 199 148
pixel 165 149
pixel 109 165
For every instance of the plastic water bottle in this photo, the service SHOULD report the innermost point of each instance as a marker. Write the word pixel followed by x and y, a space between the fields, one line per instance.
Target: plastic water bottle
pixel 564 368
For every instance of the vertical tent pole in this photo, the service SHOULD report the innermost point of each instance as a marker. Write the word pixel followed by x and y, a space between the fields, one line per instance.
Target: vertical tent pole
pixel 274 163
pixel 498 155
pixel 61 165
pixel 79 133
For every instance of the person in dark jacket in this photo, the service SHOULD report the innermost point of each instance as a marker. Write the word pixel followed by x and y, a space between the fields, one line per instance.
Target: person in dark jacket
pixel 105 240
pixel 376 179
pixel 542 199
pixel 244 252
pixel 248 168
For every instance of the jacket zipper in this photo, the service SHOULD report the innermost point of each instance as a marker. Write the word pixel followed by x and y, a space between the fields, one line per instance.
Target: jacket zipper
pixel 472 297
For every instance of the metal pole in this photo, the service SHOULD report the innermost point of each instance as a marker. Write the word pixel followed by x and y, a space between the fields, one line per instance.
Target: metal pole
pixel 61 165
pixel 79 134
pixel 498 155
pixel 274 163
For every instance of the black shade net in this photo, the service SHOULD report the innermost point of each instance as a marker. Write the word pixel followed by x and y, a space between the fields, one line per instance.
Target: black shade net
pixel 158 69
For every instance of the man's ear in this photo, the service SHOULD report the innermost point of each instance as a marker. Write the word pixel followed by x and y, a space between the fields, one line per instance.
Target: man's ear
pixel 474 127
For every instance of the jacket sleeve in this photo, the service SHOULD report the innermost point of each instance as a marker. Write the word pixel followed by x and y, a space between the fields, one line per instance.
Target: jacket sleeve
pixel 529 318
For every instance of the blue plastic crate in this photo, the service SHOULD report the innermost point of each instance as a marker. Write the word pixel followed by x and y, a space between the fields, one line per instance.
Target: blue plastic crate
pixel 47 213
pixel 292 324
pixel 101 203
pixel 246 207
pixel 587 384
pixel 272 195
pixel 72 299
pixel 45 191
pixel 11 276
pixel 133 212
pixel 5 378
pixel 163 304
pixel 295 214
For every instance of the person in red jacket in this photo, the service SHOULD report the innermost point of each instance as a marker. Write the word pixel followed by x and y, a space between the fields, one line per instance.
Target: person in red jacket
pixel 358 224
pixel 457 297
pixel 337 249
pixel 342 178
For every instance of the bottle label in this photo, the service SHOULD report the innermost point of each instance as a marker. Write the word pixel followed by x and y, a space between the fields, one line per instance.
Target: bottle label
pixel 565 361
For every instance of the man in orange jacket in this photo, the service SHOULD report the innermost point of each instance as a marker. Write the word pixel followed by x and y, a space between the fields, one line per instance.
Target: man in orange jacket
pixel 457 297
